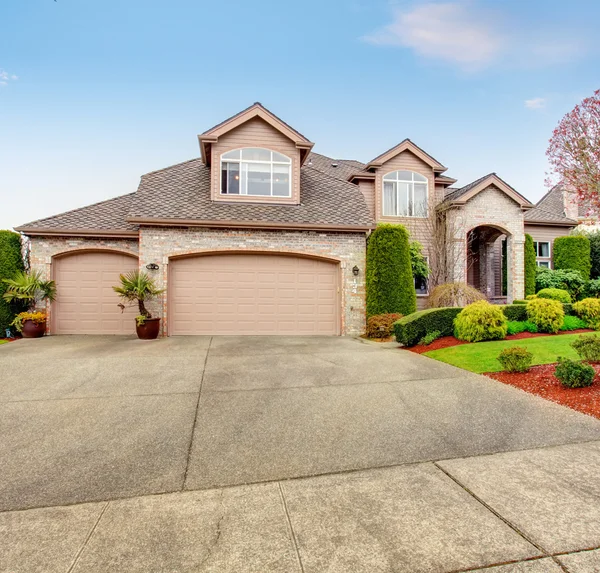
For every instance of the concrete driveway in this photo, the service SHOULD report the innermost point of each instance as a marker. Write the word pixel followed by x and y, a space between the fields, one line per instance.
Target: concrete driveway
pixel 92 428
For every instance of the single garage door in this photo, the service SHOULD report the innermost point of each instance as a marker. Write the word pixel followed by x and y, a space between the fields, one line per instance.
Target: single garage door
pixel 253 294
pixel 85 301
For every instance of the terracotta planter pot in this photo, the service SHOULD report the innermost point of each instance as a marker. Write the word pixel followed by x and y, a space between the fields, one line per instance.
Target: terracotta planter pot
pixel 149 330
pixel 33 330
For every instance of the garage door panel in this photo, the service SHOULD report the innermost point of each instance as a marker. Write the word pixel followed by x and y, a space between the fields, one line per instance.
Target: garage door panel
pixel 86 302
pixel 253 294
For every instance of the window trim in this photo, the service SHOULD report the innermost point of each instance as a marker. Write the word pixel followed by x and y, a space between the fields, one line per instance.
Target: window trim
pixel 240 162
pixel 538 258
pixel 411 193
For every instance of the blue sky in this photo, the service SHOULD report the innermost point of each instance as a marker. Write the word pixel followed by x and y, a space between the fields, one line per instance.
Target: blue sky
pixel 95 93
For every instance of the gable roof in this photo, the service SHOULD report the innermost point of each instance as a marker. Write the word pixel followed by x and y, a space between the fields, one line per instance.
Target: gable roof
pixel 212 135
pixel 461 195
pixel 550 209
pixel 406 145
pixel 106 218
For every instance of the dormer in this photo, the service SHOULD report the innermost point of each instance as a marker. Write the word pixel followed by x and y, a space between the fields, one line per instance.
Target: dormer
pixel 254 157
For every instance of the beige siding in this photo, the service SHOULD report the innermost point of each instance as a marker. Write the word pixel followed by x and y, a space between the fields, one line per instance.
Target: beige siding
pixel 546 233
pixel 367 188
pixel 254 133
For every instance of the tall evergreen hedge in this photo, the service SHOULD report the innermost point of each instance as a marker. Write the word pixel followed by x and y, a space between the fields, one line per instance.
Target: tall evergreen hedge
pixel 594 238
pixel 530 265
pixel 390 282
pixel 573 252
pixel 11 261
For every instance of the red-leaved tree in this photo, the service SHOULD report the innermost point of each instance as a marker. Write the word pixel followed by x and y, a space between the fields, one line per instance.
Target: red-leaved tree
pixel 574 152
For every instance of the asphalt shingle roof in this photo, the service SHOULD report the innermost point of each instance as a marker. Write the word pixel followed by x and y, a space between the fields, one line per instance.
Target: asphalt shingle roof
pixel 549 209
pixel 456 193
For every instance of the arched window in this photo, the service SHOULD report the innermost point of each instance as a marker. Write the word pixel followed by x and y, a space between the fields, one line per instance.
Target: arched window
pixel 404 194
pixel 257 172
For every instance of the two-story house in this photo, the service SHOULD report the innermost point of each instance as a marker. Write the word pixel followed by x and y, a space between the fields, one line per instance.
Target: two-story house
pixel 259 235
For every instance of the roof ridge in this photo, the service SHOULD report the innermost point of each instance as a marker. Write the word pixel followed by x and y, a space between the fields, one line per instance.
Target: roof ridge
pixel 171 166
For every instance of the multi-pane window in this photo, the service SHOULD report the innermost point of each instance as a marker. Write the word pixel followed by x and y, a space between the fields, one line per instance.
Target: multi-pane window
pixel 542 254
pixel 404 194
pixel 257 172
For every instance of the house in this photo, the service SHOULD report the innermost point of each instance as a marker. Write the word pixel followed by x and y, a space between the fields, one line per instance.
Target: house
pixel 260 235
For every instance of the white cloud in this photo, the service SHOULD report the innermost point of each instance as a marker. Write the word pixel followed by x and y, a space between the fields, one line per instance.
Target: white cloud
pixel 5 77
pixel 463 34
pixel 535 103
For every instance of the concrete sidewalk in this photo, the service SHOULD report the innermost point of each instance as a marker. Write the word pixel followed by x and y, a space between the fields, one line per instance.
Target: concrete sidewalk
pixel 529 511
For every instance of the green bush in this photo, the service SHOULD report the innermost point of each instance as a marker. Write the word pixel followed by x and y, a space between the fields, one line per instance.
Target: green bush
pixel 593 288
pixel 418 262
pixel 429 338
pixel 530 265
pixel 11 262
pixel 516 312
pixel 516 327
pixel 548 315
pixel 454 294
pixel 573 252
pixel 480 321
pixel 594 238
pixel 389 278
pixel 412 328
pixel 573 374
pixel 515 359
pixel 589 310
pixel 568 308
pixel 565 279
pixel 519 302
pixel 588 347
pixel 381 325
pixel 573 323
pixel 555 294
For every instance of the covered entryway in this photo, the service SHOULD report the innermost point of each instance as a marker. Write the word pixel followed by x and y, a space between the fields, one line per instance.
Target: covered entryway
pixel 243 293
pixel 86 302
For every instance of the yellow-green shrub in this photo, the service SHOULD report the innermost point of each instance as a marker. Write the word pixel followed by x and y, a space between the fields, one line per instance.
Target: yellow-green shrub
pixel 555 294
pixel 480 321
pixel 589 310
pixel 548 315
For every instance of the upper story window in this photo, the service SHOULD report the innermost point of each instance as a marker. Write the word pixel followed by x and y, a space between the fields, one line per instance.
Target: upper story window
pixel 404 194
pixel 542 254
pixel 257 172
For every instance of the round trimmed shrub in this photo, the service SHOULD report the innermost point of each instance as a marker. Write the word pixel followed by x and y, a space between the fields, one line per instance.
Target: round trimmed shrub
pixel 573 252
pixel 515 359
pixel 574 374
pixel 588 347
pixel 589 310
pixel 547 314
pixel 389 278
pixel 11 262
pixel 381 325
pixel 530 265
pixel 558 294
pixel 454 294
pixel 565 279
pixel 480 321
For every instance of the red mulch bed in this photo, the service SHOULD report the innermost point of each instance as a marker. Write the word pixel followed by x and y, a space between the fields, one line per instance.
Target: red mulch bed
pixel 10 339
pixel 540 380
pixel 447 341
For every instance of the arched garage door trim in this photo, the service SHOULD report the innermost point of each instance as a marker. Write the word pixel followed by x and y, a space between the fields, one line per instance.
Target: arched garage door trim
pixel 195 254
pixel 57 257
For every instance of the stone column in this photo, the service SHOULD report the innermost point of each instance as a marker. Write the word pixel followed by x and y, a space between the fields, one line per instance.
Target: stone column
pixel 458 261
pixel 515 275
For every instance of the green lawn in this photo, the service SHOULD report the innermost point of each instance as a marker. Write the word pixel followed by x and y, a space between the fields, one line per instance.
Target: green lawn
pixel 3 341
pixel 481 356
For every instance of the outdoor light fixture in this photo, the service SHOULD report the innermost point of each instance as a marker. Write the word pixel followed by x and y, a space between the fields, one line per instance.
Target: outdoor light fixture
pixel 355 270
pixel 152 267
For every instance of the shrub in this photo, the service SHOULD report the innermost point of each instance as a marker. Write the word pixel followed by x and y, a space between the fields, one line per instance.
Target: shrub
pixel 514 311
pixel 515 359
pixel 429 338
pixel 573 252
pixel 573 323
pixel 381 325
pixel 519 302
pixel 555 294
pixel 589 310
pixel 573 374
pixel 568 280
pixel 412 328
pixel 530 297
pixel 594 238
pixel 418 262
pixel 593 288
pixel 516 327
pixel 588 347
pixel 389 278
pixel 548 315
pixel 454 294
pixel 11 263
pixel 568 308
pixel 480 321
pixel 530 265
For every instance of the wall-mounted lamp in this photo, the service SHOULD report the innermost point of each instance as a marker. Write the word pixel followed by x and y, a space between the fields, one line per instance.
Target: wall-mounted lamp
pixel 152 267
pixel 355 270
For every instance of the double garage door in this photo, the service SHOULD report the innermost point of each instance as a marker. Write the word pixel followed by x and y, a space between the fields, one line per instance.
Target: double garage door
pixel 213 294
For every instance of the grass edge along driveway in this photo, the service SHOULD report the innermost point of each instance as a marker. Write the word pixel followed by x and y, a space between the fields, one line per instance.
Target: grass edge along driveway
pixel 482 357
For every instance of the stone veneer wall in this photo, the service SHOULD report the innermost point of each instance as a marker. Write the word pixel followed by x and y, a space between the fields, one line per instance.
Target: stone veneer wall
pixel 159 244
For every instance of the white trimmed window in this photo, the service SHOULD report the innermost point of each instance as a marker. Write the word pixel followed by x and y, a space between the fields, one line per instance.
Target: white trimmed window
pixel 404 194
pixel 542 254
pixel 257 172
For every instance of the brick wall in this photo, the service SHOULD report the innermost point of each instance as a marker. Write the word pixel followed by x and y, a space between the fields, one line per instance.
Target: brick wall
pixel 157 245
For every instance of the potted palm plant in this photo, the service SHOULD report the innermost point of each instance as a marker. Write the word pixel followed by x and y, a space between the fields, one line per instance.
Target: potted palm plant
pixel 137 288
pixel 32 290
